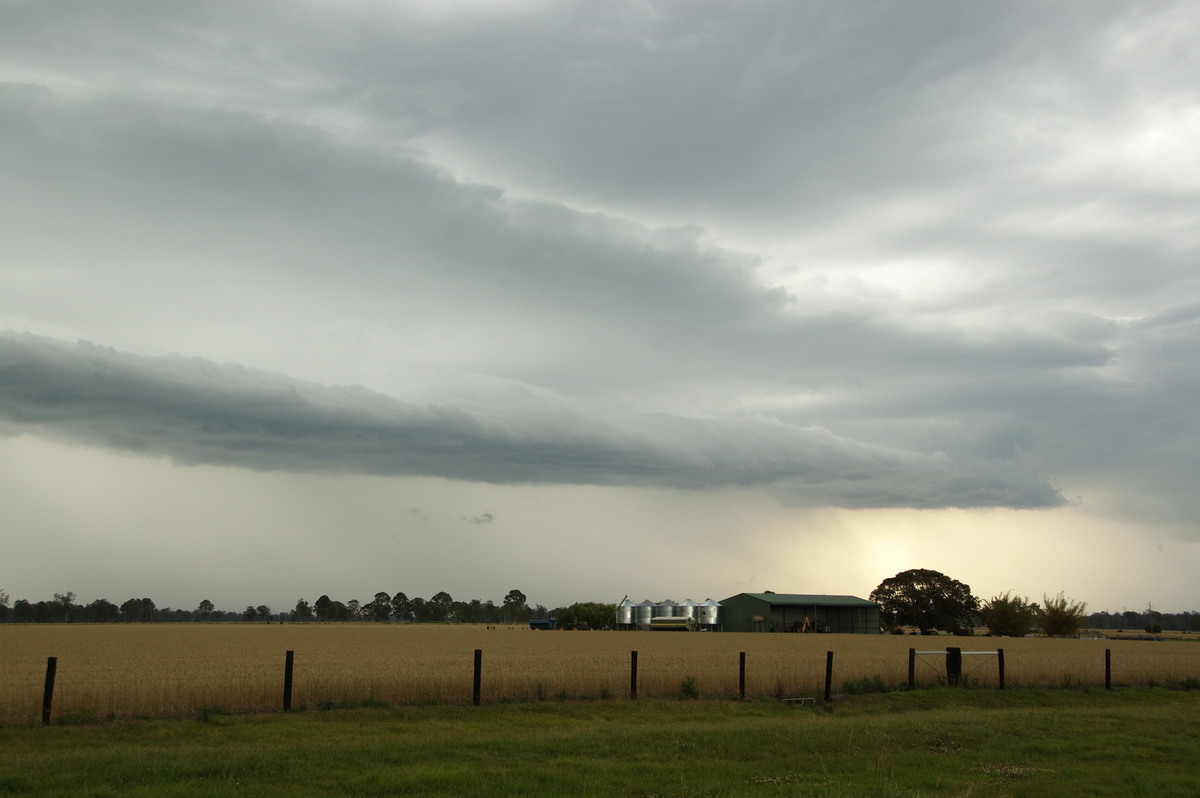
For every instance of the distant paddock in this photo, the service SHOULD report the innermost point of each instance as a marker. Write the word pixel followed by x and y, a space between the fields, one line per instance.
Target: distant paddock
pixel 164 669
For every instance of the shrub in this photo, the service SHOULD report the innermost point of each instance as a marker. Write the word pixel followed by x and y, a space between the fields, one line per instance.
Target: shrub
pixel 1060 616
pixel 1009 616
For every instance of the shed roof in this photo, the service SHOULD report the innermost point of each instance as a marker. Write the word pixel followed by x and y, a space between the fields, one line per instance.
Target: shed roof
pixel 806 600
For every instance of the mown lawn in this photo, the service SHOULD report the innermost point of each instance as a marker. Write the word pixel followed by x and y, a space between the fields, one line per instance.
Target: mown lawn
pixel 978 742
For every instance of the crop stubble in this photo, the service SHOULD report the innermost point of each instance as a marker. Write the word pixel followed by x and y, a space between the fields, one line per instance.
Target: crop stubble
pixel 156 669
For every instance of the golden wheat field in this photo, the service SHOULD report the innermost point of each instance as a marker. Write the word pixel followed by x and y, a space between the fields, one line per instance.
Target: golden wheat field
pixel 163 669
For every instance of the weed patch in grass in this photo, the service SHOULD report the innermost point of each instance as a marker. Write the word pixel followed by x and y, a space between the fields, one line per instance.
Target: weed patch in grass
pixel 207 713
pixel 874 684
pixel 83 716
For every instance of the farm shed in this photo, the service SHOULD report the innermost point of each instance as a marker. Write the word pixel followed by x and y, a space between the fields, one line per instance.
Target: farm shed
pixel 786 612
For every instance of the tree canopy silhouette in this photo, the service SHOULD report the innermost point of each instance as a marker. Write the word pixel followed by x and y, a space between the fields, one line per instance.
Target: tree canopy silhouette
pixel 925 599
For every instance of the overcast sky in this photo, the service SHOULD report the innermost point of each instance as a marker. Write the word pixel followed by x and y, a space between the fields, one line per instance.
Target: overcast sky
pixel 666 300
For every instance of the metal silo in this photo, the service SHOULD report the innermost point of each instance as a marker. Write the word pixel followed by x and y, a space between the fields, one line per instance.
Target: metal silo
pixel 644 612
pixel 710 613
pixel 625 614
pixel 665 609
pixel 687 609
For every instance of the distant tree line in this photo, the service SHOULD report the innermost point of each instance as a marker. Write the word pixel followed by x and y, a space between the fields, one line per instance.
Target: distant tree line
pixel 439 608
pixel 384 607
pixel 919 599
pixel 1148 620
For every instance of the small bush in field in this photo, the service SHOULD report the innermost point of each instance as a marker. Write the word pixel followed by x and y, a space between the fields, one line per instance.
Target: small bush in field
pixel 1060 616
pixel 1009 616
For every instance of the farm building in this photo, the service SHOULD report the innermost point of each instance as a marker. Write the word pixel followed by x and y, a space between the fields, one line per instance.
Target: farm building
pixel 788 612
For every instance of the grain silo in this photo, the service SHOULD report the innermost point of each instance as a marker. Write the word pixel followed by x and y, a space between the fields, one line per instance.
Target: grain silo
pixel 625 614
pixel 643 613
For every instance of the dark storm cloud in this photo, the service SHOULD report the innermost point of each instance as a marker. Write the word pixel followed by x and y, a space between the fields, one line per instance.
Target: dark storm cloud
pixel 195 411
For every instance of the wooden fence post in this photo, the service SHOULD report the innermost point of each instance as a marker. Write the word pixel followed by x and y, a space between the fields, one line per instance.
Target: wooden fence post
pixel 742 675
pixel 912 668
pixel 1108 669
pixel 953 666
pixel 633 674
pixel 289 662
pixel 48 692
pixel 477 689
pixel 1000 665
pixel 828 674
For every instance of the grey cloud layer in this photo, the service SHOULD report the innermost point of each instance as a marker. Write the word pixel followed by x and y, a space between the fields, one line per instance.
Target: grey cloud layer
pixel 303 228
pixel 988 216
pixel 196 412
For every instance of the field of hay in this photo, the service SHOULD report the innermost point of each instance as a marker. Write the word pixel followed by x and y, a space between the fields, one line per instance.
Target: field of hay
pixel 163 669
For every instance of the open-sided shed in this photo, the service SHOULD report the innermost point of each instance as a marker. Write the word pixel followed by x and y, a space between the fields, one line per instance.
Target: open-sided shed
pixel 788 612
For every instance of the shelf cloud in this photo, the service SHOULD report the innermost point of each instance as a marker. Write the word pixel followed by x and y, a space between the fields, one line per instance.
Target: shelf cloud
pixel 198 412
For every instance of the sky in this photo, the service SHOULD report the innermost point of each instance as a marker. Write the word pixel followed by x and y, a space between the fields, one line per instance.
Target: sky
pixel 594 300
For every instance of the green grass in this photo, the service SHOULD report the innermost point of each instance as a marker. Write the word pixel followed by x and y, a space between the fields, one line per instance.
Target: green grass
pixel 941 742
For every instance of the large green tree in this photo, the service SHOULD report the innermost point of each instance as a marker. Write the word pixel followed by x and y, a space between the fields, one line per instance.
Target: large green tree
pixel 303 611
pixel 380 609
pixel 515 608
pixel 135 609
pixel 102 611
pixel 422 610
pixel 401 607
pixel 441 606
pixel 64 604
pixel 925 599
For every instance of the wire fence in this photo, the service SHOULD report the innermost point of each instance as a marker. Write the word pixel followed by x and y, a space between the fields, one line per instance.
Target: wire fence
pixel 79 689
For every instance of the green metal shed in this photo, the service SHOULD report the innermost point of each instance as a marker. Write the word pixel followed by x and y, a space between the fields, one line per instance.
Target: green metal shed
pixel 787 612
